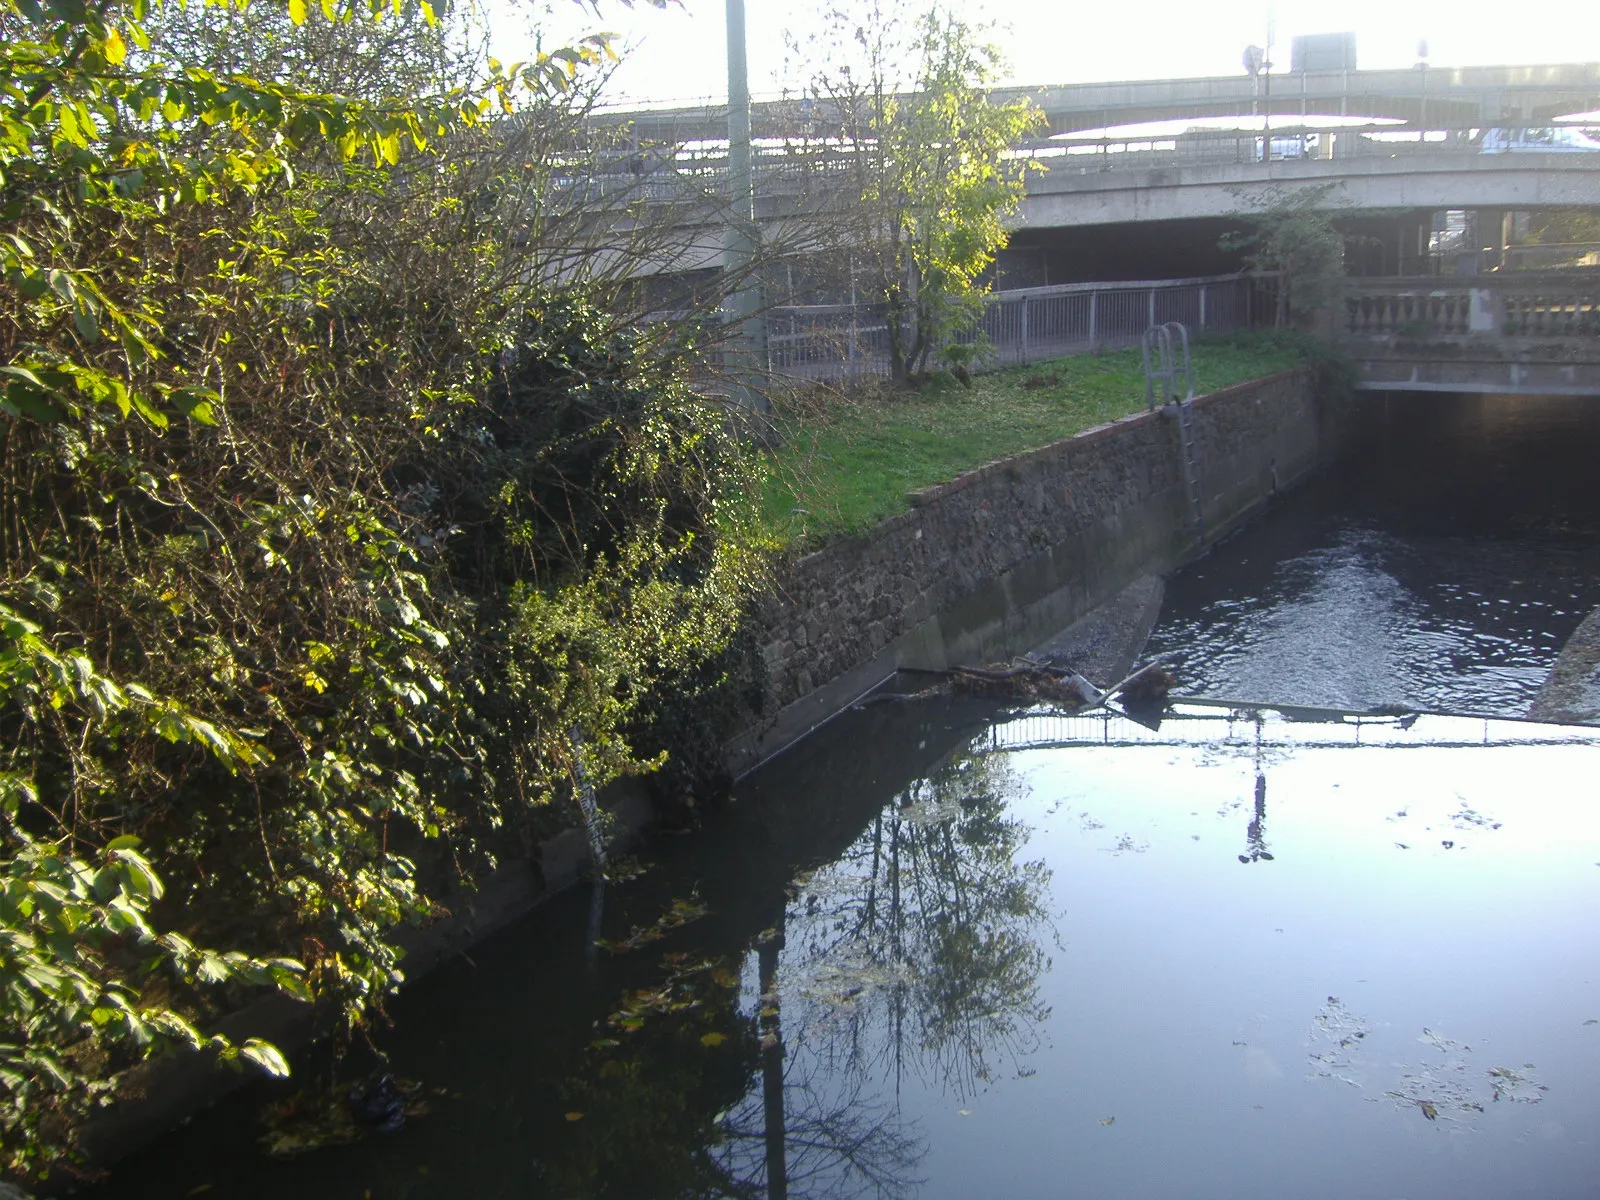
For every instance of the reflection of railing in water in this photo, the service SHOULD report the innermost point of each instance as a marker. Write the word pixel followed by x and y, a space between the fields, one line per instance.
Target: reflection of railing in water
pixel 1304 729
pixel 1019 326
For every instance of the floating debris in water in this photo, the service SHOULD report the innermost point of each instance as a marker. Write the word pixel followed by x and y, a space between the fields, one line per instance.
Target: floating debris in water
pixel 1519 1088
pixel 1108 1120
pixel 681 913
pixel 339 1114
pixel 1471 817
pixel 1442 1044
pixel 1336 1037
pixel 844 985
pixel 1450 1086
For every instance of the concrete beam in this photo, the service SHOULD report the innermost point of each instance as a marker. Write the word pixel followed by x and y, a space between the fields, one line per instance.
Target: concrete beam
pixel 1076 193
pixel 1492 365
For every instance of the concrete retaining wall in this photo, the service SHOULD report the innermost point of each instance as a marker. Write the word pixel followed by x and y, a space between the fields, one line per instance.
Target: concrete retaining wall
pixel 995 561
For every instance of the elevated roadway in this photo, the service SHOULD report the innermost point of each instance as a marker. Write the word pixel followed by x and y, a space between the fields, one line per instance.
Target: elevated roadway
pixel 1455 96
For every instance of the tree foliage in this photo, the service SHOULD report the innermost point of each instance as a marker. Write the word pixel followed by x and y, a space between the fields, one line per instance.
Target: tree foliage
pixel 1294 239
pixel 929 155
pixel 329 524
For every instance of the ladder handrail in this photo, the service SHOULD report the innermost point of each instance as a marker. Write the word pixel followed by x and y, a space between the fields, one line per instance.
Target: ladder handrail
pixel 1162 337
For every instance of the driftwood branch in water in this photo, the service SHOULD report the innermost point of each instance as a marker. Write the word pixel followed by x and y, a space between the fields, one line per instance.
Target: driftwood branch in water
pixel 1025 680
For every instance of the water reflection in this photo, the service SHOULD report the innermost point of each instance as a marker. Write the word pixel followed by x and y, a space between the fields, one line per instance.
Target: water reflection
pixel 1256 831
pixel 918 952
pixel 892 993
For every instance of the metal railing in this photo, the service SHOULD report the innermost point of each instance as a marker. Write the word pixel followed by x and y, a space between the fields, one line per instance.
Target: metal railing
pixel 668 173
pixel 1019 326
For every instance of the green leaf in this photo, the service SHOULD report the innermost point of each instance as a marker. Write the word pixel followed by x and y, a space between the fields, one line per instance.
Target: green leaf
pixel 297 11
pixel 145 409
pixel 266 1056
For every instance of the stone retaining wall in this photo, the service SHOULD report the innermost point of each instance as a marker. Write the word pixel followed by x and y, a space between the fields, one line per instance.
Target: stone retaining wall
pixel 995 561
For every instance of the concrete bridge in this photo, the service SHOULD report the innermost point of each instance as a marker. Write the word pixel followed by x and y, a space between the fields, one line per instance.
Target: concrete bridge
pixel 1438 97
pixel 1415 149
pixel 1182 183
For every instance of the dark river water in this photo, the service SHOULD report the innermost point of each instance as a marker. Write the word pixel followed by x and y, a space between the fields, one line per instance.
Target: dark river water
pixel 1442 565
pixel 943 949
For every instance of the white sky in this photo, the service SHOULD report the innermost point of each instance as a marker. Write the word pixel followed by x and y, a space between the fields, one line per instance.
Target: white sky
pixel 680 54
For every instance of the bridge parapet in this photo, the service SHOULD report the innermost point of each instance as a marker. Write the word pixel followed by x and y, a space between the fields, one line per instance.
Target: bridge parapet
pixel 1517 332
pixel 1508 304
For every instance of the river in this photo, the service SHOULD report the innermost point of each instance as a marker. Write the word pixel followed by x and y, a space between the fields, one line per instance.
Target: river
pixel 1442 565
pixel 943 949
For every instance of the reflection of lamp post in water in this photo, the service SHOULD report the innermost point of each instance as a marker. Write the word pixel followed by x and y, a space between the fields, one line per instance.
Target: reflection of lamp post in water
pixel 775 1127
pixel 1256 832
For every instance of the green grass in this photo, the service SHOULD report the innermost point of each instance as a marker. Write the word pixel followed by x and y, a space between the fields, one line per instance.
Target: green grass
pixel 846 463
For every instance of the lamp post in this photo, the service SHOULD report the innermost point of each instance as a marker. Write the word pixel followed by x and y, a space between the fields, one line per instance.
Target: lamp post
pixel 743 305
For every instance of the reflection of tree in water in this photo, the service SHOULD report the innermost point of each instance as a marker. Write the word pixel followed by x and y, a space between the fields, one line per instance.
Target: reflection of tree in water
pixel 916 950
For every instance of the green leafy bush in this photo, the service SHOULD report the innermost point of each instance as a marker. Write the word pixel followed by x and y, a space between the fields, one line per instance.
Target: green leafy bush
pixel 326 527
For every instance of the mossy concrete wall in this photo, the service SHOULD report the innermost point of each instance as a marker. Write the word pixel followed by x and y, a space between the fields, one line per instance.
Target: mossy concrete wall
pixel 993 562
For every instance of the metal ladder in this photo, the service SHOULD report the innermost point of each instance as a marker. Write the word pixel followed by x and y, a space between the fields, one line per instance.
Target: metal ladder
pixel 1162 345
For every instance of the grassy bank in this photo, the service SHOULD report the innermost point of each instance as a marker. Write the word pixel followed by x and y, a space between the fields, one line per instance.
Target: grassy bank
pixel 847 461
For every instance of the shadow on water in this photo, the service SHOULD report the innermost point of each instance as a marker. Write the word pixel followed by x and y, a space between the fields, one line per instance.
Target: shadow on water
pixel 1442 565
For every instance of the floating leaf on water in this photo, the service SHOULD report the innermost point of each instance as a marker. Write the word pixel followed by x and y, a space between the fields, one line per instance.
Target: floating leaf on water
pixel 963 1112
pixel 1593 1021
pixel 1108 1120
pixel 574 1116
pixel 1428 1109
pixel 713 1039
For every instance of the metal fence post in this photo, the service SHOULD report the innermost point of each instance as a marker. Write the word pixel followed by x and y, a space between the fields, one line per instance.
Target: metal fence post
pixel 1202 306
pixel 1094 298
pixel 1024 331
pixel 1152 306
